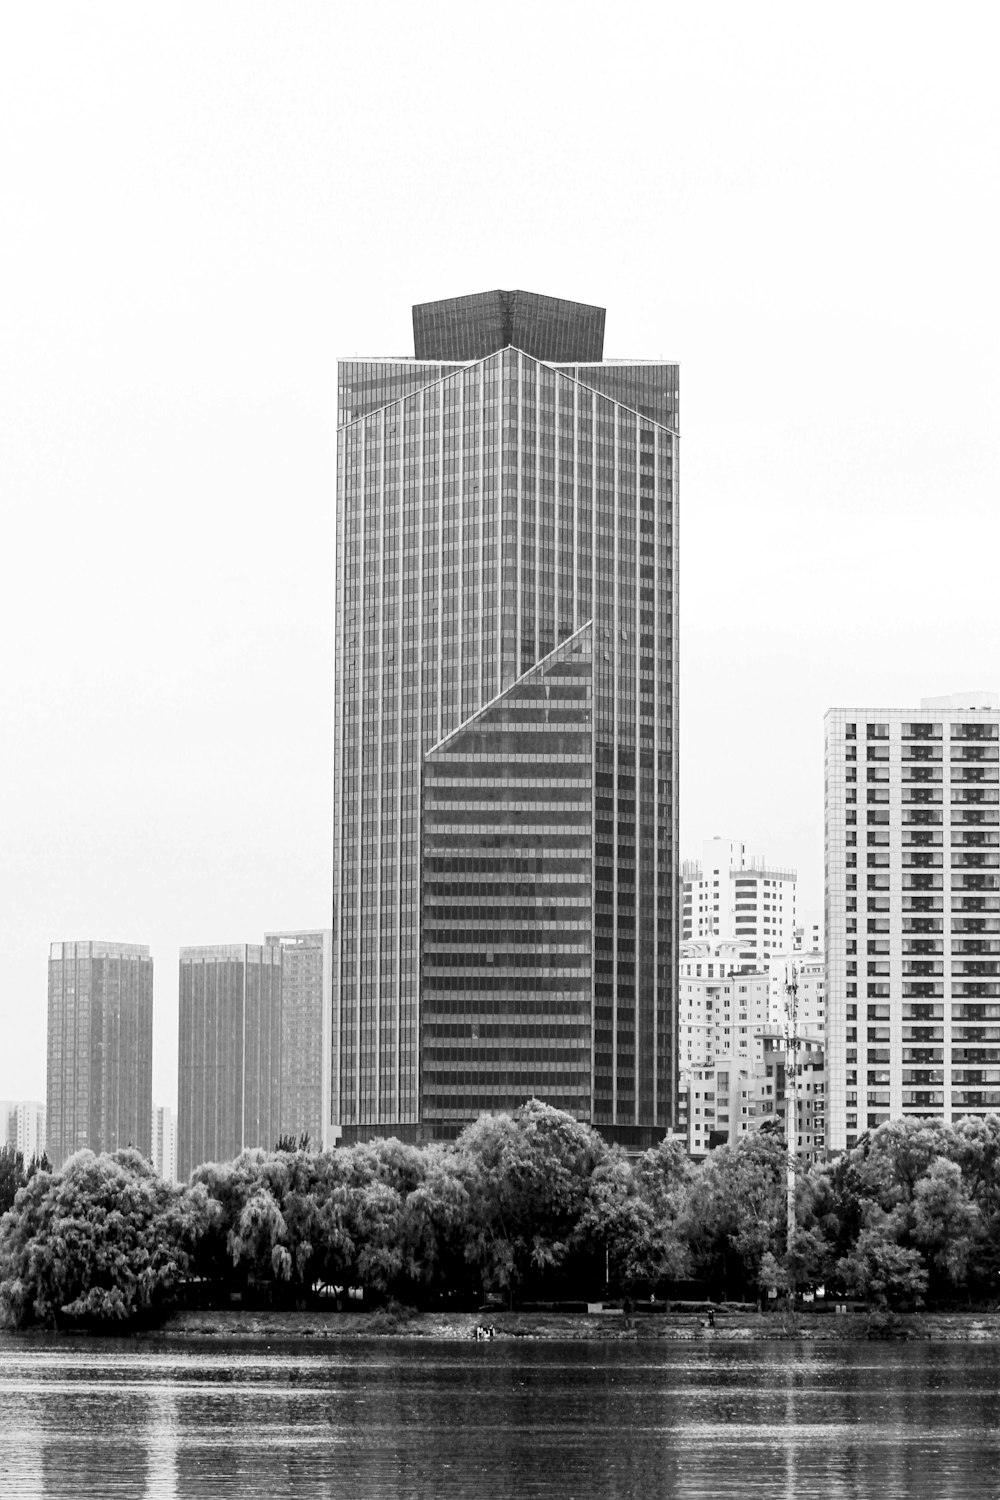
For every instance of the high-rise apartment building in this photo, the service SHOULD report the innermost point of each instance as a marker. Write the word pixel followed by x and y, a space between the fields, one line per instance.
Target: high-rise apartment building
pixel 100 1048
pixel 164 1142
pixel 728 897
pixel 912 867
pixel 22 1126
pixel 254 1046
pixel 505 797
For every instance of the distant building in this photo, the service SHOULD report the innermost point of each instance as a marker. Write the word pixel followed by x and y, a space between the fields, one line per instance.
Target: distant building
pixel 728 898
pixel 306 1032
pixel 100 1048
pixel 254 1046
pixel 913 913
pixel 164 1152
pixel 22 1126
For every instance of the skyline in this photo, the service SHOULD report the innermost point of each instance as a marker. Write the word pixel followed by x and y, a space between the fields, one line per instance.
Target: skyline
pixel 801 220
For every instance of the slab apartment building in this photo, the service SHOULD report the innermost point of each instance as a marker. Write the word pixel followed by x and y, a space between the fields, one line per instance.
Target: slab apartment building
pixel 912 913
pixel 505 788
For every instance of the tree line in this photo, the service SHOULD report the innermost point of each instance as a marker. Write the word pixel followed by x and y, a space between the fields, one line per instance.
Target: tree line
pixel 529 1206
pixel 15 1172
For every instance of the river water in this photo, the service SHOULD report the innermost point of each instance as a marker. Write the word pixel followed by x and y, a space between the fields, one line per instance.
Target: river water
pixel 388 1417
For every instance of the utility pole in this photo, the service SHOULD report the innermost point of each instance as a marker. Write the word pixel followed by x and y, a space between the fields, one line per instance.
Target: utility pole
pixel 791 1099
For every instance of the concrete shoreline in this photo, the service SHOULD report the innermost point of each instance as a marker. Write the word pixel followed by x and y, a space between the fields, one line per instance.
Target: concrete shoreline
pixel 957 1327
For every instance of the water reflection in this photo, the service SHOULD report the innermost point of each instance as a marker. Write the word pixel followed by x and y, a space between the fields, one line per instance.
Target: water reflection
pixel 161 1479
pixel 390 1418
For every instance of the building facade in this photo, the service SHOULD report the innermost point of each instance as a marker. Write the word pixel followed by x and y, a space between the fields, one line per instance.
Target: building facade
pixel 808 937
pixel 164 1142
pixel 99 1073
pixel 722 1008
pixel 253 1046
pixel 728 897
pixel 505 798
pixel 912 875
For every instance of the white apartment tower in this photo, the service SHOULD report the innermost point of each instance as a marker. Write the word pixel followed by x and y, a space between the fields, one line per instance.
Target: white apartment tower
pixel 912 873
pixel 22 1126
pixel 729 898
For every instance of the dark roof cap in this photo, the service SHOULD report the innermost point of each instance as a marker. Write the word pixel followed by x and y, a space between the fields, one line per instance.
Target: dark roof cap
pixel 544 327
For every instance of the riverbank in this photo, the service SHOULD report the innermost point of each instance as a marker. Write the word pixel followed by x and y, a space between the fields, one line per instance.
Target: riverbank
pixel 734 1327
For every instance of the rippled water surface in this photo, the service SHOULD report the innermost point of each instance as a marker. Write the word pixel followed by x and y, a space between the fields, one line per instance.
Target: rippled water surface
pixel 387 1417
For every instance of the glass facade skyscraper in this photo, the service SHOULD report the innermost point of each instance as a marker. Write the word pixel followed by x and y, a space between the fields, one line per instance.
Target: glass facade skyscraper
pixel 505 805
pixel 253 1045
pixel 229 1052
pixel 99 1074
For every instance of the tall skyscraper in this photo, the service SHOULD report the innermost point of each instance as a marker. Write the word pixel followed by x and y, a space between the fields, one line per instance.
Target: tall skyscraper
pixel 254 1046
pixel 912 913
pixel 100 1048
pixel 505 800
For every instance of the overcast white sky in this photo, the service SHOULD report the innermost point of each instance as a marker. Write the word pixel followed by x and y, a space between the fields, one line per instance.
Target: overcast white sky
pixel 204 205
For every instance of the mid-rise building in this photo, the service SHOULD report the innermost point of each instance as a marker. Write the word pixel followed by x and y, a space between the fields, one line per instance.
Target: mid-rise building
pixel 727 1099
pixel 730 898
pixel 912 866
pixel 505 784
pixel 99 1079
pixel 722 1009
pixel 254 1046
pixel 164 1147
